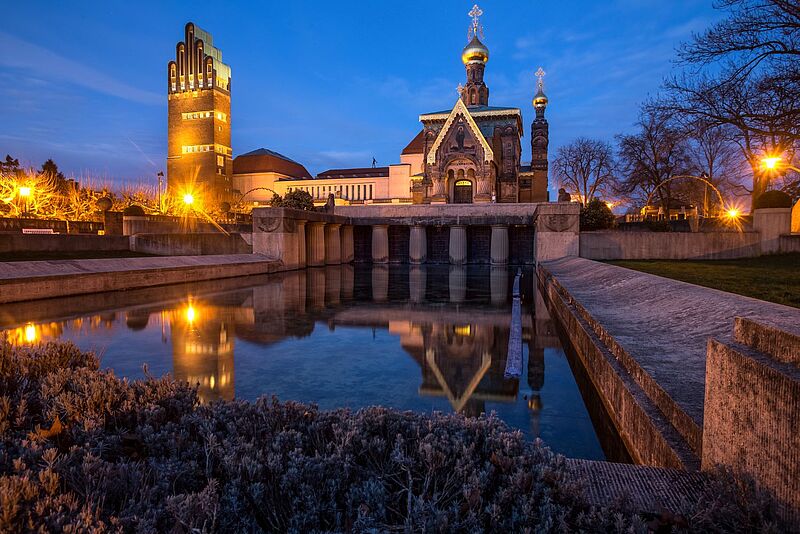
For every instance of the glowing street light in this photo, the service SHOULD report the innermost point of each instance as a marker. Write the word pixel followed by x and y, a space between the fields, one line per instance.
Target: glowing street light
pixel 188 199
pixel 24 191
pixel 774 163
pixel 733 213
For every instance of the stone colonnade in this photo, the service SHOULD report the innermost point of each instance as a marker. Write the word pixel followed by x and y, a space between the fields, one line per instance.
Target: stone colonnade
pixel 418 245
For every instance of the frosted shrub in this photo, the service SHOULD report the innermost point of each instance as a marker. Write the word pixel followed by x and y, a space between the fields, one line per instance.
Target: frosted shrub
pixel 84 451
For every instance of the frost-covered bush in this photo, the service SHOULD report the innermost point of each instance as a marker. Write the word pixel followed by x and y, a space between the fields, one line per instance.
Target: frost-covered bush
pixel 82 450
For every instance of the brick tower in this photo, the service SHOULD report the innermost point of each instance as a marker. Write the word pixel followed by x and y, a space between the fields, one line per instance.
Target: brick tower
pixel 199 119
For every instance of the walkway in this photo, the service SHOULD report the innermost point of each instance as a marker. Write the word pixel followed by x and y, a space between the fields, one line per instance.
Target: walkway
pixel 28 280
pixel 663 325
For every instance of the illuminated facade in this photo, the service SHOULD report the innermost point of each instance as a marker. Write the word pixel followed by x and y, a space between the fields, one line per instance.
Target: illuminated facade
pixel 199 118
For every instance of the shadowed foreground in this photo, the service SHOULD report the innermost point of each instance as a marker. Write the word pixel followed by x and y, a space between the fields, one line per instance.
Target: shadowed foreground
pixel 83 450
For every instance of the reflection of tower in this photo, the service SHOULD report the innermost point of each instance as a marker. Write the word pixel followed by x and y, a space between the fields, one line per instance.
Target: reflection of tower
pixel 536 382
pixel 202 349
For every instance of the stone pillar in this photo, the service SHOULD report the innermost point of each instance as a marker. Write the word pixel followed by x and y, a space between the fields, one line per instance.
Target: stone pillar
pixel 771 223
pixel 458 245
pixel 301 243
pixel 315 244
pixel 380 243
pixel 276 235
pixel 499 244
pixel 333 244
pixel 417 283
pixel 346 233
pixel 418 244
pixel 557 231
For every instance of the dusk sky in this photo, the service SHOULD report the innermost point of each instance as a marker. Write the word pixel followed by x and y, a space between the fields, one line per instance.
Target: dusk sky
pixel 329 84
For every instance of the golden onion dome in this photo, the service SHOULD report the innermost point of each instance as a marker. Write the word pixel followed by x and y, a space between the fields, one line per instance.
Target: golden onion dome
pixel 475 51
pixel 540 99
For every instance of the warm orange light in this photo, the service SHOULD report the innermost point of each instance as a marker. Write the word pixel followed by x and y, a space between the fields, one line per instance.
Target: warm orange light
pixel 24 191
pixel 733 213
pixel 188 199
pixel 771 163
pixel 190 314
pixel 30 333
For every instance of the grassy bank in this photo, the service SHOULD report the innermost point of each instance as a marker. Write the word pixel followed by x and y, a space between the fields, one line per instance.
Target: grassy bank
pixel 773 278
pixel 83 451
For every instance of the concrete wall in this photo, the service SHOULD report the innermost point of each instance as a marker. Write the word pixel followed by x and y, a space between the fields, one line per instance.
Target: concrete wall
pixel 164 224
pixel 189 244
pixel 790 243
pixel 61 243
pixel 616 245
pixel 752 410
pixel 796 218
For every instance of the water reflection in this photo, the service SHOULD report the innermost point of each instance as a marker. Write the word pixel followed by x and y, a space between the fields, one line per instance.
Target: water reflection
pixel 451 322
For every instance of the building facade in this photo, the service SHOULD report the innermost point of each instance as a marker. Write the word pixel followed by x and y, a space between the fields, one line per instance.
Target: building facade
pixel 468 153
pixel 199 154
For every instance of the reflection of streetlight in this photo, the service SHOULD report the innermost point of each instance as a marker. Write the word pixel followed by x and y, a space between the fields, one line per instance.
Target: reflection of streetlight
pixel 190 314
pixel 30 333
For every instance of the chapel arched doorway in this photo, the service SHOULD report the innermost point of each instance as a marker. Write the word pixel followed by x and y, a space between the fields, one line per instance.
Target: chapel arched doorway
pixel 462 192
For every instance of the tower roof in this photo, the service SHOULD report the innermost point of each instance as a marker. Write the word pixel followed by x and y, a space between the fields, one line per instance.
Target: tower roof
pixel 475 51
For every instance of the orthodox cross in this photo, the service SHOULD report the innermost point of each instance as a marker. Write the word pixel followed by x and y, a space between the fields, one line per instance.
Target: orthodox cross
pixel 475 29
pixel 540 74
pixel 460 89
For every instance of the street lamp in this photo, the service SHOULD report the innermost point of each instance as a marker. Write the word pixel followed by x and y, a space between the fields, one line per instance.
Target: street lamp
pixel 188 199
pixel 160 179
pixel 25 193
pixel 774 163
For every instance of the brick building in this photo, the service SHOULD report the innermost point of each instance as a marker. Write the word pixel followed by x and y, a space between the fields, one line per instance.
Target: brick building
pixel 199 118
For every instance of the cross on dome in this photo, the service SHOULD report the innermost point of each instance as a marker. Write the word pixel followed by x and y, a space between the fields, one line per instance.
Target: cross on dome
pixel 475 29
pixel 540 74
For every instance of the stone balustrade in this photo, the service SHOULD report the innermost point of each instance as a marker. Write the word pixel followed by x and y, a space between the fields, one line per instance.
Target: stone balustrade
pixel 475 233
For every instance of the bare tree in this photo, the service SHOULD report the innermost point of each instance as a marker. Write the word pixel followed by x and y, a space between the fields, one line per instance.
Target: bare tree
pixel 585 168
pixel 757 35
pixel 744 72
pixel 653 155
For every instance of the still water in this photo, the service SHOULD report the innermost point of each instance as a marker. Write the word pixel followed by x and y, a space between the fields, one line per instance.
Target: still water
pixel 431 338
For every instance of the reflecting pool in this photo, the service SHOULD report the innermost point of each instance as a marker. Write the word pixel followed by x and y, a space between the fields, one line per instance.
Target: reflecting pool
pixel 430 338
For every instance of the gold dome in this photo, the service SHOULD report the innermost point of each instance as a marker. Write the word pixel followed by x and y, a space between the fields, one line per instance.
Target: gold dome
pixel 540 99
pixel 475 51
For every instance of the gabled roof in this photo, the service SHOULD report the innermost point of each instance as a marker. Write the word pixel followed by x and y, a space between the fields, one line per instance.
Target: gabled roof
pixel 475 111
pixel 460 109
pixel 416 146
pixel 265 160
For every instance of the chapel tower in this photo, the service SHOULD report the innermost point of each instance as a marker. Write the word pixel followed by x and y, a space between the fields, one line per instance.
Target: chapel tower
pixel 199 114
pixel 540 132
pixel 475 55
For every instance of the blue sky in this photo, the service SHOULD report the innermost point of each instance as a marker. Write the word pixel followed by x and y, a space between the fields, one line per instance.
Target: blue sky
pixel 328 84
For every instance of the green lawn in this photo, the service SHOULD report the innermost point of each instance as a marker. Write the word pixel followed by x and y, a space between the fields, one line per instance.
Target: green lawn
pixel 773 278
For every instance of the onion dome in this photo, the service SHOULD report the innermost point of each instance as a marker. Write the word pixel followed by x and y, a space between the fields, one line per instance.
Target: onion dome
pixel 540 99
pixel 475 51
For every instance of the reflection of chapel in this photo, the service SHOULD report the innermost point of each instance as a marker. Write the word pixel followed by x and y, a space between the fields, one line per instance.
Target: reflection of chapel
pixel 472 152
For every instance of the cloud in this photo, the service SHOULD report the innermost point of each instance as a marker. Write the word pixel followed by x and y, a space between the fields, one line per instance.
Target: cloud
pixel 45 64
